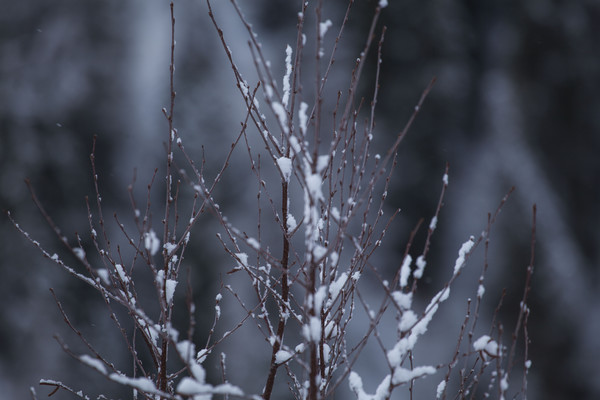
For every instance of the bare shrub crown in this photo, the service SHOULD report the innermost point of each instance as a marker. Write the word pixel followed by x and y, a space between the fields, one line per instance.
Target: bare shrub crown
pixel 324 193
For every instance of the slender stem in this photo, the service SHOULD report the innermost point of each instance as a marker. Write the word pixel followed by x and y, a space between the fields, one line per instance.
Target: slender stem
pixel 314 367
pixel 162 372
pixel 284 295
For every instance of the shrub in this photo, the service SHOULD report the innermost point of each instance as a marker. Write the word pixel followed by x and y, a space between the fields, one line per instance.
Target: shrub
pixel 311 264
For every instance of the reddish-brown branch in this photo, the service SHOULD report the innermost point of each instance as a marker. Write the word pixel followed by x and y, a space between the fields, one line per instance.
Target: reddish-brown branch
pixel 284 295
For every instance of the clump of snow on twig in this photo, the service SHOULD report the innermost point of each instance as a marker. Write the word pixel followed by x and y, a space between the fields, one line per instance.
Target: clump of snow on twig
pixel 151 242
pixel 286 78
pixel 79 252
pixel 487 345
pixel 462 254
pixel 324 27
pixel 143 384
pixel 285 166
pixel 93 362
pixel 405 270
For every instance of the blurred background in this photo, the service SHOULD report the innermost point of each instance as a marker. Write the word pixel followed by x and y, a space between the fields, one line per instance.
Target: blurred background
pixel 516 103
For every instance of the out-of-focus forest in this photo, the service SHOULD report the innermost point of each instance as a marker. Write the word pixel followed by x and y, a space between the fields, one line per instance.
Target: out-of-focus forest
pixel 516 103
